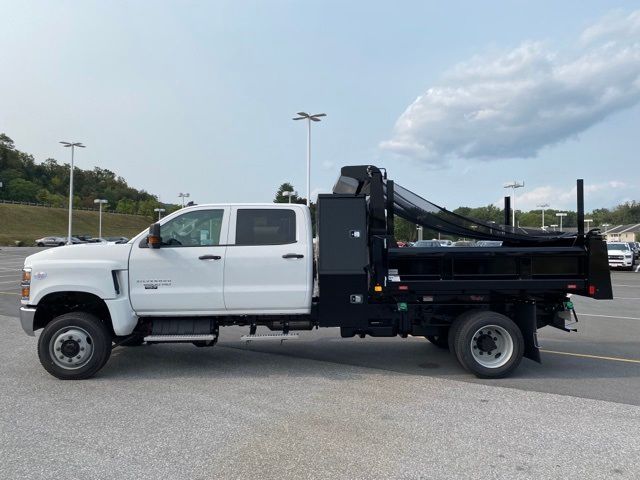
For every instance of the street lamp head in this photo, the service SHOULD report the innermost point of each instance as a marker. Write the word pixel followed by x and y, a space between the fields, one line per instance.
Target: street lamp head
pixel 305 116
pixel 74 144
pixel 543 205
pixel 101 201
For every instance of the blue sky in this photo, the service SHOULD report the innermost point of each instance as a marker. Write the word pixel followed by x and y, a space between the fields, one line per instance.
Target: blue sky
pixel 453 98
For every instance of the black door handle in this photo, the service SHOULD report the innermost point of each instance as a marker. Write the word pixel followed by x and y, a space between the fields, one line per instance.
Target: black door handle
pixel 292 255
pixel 209 257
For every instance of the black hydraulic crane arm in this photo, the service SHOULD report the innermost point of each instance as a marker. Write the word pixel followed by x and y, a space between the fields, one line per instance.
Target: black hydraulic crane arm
pixel 386 200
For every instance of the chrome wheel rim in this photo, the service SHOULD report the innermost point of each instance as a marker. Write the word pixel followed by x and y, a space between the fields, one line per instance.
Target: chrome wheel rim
pixel 71 348
pixel 492 346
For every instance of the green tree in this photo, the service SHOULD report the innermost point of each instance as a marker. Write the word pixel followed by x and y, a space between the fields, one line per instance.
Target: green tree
pixel 281 198
pixel 22 190
pixel 126 205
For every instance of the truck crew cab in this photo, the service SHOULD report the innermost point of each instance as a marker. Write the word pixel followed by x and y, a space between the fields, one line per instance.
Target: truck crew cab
pixel 209 266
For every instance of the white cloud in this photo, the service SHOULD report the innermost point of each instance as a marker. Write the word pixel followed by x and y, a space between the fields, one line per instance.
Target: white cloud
pixel 513 104
pixel 608 193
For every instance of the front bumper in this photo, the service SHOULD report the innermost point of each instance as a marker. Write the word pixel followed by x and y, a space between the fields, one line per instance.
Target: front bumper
pixel 27 316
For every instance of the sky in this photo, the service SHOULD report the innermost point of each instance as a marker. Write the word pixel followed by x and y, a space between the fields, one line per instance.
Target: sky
pixel 453 98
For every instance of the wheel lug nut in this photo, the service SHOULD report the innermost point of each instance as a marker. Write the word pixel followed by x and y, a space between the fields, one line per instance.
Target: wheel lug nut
pixel 82 349
pixel 57 349
pixel 79 357
pixel 61 357
pixel 495 339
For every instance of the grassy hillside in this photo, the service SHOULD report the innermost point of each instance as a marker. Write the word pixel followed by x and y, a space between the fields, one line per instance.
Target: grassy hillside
pixel 26 223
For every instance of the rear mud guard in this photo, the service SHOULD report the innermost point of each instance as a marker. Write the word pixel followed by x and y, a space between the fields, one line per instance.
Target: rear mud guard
pixel 526 319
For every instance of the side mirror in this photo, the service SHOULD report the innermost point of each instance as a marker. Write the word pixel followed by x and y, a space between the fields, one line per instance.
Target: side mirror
pixel 154 240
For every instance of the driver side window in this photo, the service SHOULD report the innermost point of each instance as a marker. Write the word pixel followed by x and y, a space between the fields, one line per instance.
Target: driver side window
pixel 200 228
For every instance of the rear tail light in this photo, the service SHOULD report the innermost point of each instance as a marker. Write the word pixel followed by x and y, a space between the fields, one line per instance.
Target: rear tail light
pixel 592 290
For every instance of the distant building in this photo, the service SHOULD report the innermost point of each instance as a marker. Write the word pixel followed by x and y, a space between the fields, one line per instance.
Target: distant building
pixel 622 233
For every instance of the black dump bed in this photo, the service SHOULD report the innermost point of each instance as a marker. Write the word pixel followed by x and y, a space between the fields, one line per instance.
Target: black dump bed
pixel 529 261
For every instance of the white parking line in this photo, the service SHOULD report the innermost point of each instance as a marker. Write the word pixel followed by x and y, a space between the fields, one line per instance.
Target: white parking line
pixel 626 298
pixel 15 282
pixel 621 285
pixel 14 275
pixel 607 316
pixel 596 357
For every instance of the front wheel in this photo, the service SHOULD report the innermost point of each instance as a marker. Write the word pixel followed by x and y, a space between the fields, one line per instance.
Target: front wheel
pixel 74 346
pixel 489 345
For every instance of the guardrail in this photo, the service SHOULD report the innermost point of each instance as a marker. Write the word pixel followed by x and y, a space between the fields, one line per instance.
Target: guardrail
pixel 48 205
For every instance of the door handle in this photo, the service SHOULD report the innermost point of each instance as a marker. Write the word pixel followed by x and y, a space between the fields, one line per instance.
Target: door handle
pixel 209 257
pixel 292 255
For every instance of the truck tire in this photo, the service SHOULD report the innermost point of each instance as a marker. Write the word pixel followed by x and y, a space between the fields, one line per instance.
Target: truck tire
pixel 74 346
pixel 455 326
pixel 441 340
pixel 488 344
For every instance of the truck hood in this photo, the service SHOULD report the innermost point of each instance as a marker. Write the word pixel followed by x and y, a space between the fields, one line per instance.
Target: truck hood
pixel 620 252
pixel 115 255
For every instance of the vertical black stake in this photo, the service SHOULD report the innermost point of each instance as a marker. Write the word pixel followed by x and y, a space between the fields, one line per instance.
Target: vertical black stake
pixel 390 211
pixel 580 199
pixel 507 210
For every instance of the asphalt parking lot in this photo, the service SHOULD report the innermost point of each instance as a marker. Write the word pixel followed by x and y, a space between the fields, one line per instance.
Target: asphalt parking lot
pixel 326 407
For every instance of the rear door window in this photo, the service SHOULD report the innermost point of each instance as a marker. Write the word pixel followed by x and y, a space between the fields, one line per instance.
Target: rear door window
pixel 265 226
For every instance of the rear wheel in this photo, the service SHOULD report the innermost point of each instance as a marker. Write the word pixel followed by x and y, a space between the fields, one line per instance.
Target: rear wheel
pixel 40 244
pixel 61 244
pixel 74 346
pixel 488 344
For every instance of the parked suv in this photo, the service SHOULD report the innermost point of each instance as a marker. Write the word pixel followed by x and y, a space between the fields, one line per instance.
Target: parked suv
pixel 635 248
pixel 620 255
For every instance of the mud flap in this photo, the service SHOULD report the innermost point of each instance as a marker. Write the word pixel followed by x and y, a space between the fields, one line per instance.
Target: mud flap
pixel 526 319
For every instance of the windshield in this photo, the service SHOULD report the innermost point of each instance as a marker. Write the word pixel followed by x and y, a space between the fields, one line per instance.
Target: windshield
pixel 617 246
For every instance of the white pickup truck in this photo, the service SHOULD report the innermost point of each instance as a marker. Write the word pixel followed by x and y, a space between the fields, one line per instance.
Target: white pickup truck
pixel 210 266
pixel 215 260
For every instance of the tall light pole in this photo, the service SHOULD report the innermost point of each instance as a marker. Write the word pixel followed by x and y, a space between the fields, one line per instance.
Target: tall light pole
pixel 183 196
pixel 309 118
pixel 543 206
pixel 588 222
pixel 100 202
pixel 289 194
pixel 606 229
pixel 513 185
pixel 73 147
pixel 561 215
pixel 159 210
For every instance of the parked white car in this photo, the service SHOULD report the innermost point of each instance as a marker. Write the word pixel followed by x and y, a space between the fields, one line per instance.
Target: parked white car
pixel 620 255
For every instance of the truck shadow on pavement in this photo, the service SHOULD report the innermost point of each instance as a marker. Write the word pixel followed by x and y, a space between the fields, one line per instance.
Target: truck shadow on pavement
pixel 392 356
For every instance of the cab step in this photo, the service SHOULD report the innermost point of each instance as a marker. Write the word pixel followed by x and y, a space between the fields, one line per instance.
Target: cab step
pixel 180 338
pixel 269 336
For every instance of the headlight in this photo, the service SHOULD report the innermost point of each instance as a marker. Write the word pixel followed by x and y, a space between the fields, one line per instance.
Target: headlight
pixel 25 284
